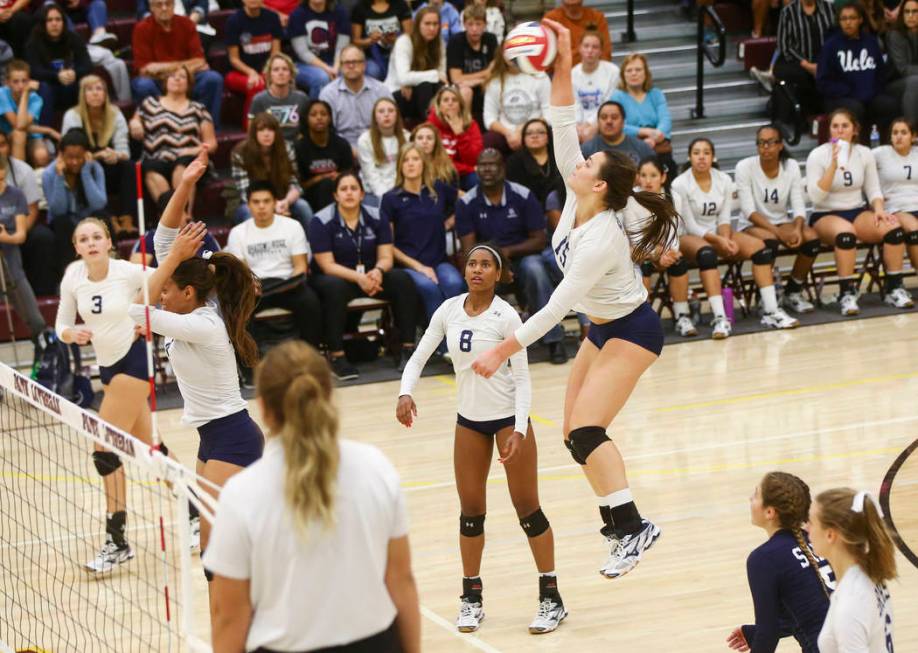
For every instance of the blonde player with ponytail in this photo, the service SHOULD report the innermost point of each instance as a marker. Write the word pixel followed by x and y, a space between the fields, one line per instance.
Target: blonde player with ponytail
pixel 847 528
pixel 789 585
pixel 309 549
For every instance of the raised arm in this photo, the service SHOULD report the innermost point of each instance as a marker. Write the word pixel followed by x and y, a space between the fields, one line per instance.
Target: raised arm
pixel 563 112
pixel 171 220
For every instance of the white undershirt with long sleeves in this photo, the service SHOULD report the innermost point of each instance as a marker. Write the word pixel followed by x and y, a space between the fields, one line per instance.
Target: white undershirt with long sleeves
pixel 103 305
pixel 506 393
pixel 898 178
pixel 860 618
pixel 779 199
pixel 520 98
pixel 600 279
pixel 400 72
pixel 858 179
pixel 703 212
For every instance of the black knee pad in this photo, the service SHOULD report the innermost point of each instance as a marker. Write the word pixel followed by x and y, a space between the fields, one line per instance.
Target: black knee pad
pixel 811 248
pixel 471 526
pixel 764 256
pixel 774 246
pixel 706 258
pixel 209 575
pixel 895 236
pixel 680 267
pixel 585 439
pixel 535 524
pixel 911 238
pixel 647 268
pixel 845 240
pixel 106 462
pixel 574 454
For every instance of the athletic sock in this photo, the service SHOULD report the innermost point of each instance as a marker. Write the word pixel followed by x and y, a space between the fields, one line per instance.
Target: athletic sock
pixel 793 285
pixel 471 589
pixel 548 587
pixel 769 299
pixel 892 281
pixel 846 285
pixel 624 512
pixel 681 308
pixel 115 524
pixel 606 513
pixel 192 511
pixel 717 306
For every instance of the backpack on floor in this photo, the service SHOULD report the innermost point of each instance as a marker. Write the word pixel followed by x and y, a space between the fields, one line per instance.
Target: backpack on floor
pixel 56 373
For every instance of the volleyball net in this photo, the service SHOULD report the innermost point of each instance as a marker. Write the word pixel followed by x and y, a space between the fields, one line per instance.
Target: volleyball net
pixel 53 520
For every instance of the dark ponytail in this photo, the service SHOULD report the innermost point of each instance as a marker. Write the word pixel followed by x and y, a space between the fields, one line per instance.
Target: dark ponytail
pixel 234 284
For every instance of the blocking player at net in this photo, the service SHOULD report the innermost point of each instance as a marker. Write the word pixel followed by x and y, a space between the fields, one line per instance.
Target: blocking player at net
pixel 490 409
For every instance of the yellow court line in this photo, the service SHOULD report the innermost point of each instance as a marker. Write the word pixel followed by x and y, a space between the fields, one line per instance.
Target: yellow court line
pixel 789 392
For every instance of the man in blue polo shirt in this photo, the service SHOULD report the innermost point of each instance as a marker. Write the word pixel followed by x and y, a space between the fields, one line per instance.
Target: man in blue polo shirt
pixel 509 215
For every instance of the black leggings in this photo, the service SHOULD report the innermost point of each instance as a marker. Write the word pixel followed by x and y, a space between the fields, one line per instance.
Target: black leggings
pixel 303 302
pixel 385 642
pixel 122 191
pixel 418 105
pixel 803 86
pixel 336 293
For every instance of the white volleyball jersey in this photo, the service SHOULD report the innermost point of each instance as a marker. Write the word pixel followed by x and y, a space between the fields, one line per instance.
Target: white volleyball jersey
pixel 898 178
pixel 599 278
pixel 103 305
pixel 860 617
pixel 779 199
pixel 506 393
pixel 850 185
pixel 703 212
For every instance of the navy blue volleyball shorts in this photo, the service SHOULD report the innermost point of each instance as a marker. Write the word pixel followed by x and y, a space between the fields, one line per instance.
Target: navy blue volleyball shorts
pixel 641 326
pixel 234 439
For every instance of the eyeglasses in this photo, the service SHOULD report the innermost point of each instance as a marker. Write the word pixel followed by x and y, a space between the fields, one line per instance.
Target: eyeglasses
pixel 910 12
pixel 767 142
pixel 353 62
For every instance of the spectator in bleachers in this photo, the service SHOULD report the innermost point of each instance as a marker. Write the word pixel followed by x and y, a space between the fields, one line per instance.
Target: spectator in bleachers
pixel 459 133
pixel 839 175
pixel 13 230
pixel 772 206
pixel 38 247
pixel 594 81
pixel 378 147
pixel 58 60
pixel 275 248
pixel 427 137
pixel 173 128
pixel 450 20
pixel 95 14
pixel 611 134
pixel 512 98
pixel 470 57
pixel 352 246
pixel 510 215
pixel 163 43
pixel 252 35
pixel 107 132
pixel 353 95
pixel 417 210
pixel 210 243
pixel 75 189
pixel 646 112
pixel 851 72
pixel 897 167
pixel 20 110
pixel 417 67
pixel 318 31
pixel 264 156
pixel 878 14
pixel 802 29
pixel 902 44
pixel 196 10
pixel 321 155
pixel 495 21
pixel 375 24
pixel 579 20
pixel 533 165
pixel 281 98
pixel 15 23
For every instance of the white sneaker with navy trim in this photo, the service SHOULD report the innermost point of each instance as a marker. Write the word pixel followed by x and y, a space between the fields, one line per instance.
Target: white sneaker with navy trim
pixel 110 556
pixel 548 618
pixel 778 319
pixel 798 303
pixel 470 616
pixel 625 551
pixel 685 327
pixel 721 328
pixel 848 303
pixel 899 297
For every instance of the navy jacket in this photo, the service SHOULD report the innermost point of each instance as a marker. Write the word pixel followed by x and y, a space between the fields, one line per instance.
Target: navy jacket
pixel 851 67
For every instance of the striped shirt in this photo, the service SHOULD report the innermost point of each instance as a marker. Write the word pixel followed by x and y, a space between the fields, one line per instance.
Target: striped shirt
pixel 166 132
pixel 800 36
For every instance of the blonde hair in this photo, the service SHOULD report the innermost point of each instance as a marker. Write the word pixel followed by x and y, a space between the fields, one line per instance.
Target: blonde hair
pixel 464 113
pixel 863 533
pixel 108 113
pixel 99 223
pixel 286 59
pixel 648 78
pixel 295 386
pixel 376 136
pixel 427 178
pixel 441 166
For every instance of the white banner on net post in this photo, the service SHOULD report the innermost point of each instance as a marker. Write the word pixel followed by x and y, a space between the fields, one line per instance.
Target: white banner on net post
pixel 52 521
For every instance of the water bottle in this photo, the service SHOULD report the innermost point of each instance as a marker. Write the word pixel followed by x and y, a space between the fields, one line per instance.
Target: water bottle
pixel 874 137
pixel 727 294
pixel 695 308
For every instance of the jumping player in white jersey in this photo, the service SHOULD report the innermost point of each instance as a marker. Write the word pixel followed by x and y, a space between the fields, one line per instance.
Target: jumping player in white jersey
pixel 205 309
pixel 101 289
pixel 847 529
pixel 897 167
pixel 600 279
pixel 496 408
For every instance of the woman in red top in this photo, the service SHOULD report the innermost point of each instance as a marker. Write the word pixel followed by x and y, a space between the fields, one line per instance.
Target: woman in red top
pixel 460 134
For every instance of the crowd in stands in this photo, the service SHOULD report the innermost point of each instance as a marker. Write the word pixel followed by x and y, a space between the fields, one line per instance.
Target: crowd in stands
pixel 382 140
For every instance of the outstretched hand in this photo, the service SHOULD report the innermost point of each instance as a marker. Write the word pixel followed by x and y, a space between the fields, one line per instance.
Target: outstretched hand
pixel 196 169
pixel 564 40
pixel 188 241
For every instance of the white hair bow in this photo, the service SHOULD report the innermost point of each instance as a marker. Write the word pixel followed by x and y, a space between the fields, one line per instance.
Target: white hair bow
pixel 857 504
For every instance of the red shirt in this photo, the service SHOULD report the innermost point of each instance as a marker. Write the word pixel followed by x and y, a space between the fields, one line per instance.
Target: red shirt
pixel 151 43
pixel 285 7
pixel 462 148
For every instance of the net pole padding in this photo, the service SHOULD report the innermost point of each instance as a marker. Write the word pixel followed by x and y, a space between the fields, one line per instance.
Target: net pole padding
pixel 9 310
pixel 148 333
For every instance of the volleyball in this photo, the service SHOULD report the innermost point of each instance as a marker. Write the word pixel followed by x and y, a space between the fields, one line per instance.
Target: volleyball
pixel 531 46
